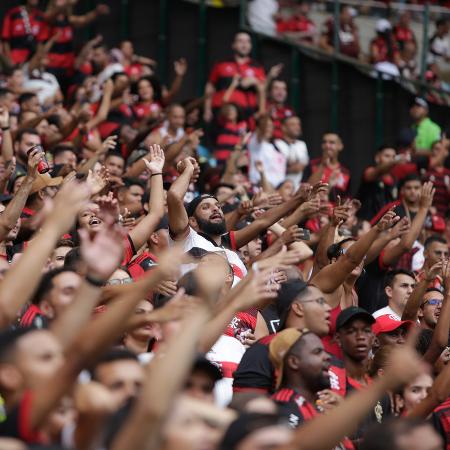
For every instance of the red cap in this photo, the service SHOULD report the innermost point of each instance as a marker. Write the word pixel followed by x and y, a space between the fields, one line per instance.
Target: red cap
pixel 387 323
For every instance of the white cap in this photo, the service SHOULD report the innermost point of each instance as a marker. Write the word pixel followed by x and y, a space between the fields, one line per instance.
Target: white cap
pixel 383 25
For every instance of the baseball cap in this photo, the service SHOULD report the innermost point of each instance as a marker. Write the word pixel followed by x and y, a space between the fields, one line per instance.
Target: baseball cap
pixel 44 180
pixel 386 324
pixel 383 25
pixel 286 296
pixel 419 101
pixel 192 205
pixel 279 347
pixel 351 313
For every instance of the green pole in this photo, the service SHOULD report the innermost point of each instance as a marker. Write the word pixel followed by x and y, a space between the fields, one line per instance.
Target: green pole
pixel 242 11
pixel 295 79
pixel 379 98
pixel 426 18
pixel 162 39
pixel 202 48
pixel 335 70
pixel 124 20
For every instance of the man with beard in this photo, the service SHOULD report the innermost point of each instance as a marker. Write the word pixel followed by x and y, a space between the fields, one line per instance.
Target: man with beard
pixel 250 75
pixel 303 381
pixel 202 223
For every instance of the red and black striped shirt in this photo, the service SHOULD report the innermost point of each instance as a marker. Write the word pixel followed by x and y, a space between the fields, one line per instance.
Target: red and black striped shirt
pixel 278 113
pixel 441 421
pixel 298 410
pixel 221 77
pixel 440 177
pixel 23 29
pixel 62 55
pixel 227 137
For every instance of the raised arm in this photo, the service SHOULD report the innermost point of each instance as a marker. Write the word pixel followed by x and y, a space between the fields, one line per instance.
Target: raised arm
pixel 440 336
pixel 264 221
pixel 180 67
pixel 14 293
pixel 142 231
pixel 7 141
pixel 97 336
pixel 393 254
pixel 178 218
pixel 415 299
pixel 333 275
pixel 101 256
pixel 86 19
pixel 105 104
pixel 9 218
pixel 404 366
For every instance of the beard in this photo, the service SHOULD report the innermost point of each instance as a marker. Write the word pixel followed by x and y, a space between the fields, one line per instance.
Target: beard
pixel 210 228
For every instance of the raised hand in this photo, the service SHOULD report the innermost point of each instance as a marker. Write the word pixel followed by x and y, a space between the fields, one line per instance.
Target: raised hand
pixel 292 234
pixel 259 166
pixel 157 160
pixel 387 221
pixel 190 164
pixel 10 169
pixel 310 207
pixel 180 66
pixel 341 212
pixel 33 161
pixel 282 260
pixel 108 144
pixel 167 288
pixel 102 9
pixel 245 208
pixel 275 71
pixel 427 194
pixel 432 272
pixel 400 228
pixel 102 254
pixel 109 208
pixel 97 181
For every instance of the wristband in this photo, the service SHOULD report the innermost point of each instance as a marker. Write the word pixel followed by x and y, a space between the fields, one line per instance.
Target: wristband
pixel 5 128
pixel 94 281
pixel 154 174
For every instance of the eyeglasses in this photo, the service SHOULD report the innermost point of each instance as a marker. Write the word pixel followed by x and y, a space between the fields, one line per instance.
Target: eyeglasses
pixel 321 301
pixel 117 281
pixel 433 302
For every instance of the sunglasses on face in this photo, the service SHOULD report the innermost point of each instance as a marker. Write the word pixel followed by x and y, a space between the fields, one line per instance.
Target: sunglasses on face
pixel 117 281
pixel 433 302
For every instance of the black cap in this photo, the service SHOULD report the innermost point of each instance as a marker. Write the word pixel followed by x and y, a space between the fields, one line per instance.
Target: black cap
pixel 192 205
pixel 286 295
pixel 351 313
pixel 205 365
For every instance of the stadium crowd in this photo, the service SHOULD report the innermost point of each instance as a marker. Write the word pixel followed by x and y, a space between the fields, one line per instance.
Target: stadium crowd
pixel 183 275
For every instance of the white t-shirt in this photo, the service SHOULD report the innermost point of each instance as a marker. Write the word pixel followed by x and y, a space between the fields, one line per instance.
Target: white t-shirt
pixel 274 162
pixel 294 153
pixel 193 239
pixel 260 16
pixel 44 84
pixel 226 353
pixel 387 311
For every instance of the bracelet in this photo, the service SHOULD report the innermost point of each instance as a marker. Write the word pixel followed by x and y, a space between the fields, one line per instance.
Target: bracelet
pixel 6 128
pixel 94 281
pixel 154 174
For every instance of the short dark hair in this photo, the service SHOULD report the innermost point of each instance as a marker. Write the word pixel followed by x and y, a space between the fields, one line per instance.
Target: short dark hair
pixel 408 178
pixel 390 276
pixel 25 97
pixel 5 91
pixel 115 354
pixel 46 283
pixel 386 435
pixel 60 148
pixel 128 182
pixel 384 147
pixel 8 341
pixel 335 250
pixel 24 131
pixel 72 258
pixel 433 239
pixel 65 243
pixel 441 21
pixel 114 153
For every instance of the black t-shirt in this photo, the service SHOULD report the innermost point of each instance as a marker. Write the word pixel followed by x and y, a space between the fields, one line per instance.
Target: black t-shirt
pixel 370 286
pixel 271 318
pixel 375 194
